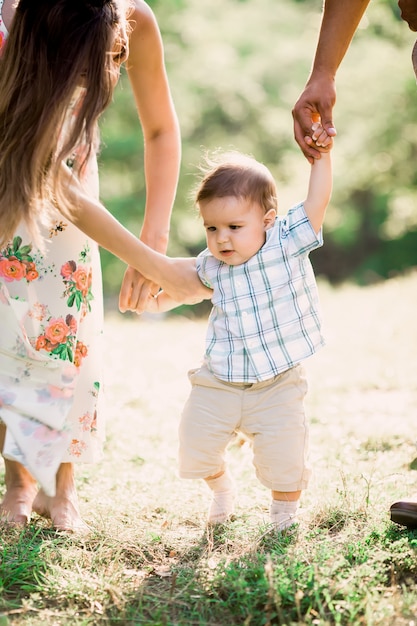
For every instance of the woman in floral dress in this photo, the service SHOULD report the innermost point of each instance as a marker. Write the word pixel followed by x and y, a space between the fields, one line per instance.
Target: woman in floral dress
pixel 51 304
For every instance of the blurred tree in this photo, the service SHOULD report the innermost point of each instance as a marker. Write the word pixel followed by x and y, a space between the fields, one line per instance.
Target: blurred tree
pixel 236 68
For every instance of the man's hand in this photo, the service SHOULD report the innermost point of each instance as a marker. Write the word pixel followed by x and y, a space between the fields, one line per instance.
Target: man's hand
pixel 314 104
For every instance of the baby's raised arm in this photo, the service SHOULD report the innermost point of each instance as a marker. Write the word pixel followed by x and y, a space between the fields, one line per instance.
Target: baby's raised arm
pixel 320 185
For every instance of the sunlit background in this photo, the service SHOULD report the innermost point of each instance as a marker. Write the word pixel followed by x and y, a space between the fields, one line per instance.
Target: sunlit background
pixel 236 68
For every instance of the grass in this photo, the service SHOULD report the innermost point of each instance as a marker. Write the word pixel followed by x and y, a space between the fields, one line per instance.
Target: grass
pixel 150 559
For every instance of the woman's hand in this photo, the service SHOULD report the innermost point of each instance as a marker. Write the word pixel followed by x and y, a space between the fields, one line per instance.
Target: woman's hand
pixel 135 291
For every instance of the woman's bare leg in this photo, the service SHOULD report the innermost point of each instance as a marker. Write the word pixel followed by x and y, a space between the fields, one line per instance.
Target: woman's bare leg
pixel 62 508
pixel 21 488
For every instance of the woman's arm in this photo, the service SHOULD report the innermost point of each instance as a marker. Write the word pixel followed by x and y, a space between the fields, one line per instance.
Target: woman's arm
pixel 177 276
pixel 162 145
pixel 162 302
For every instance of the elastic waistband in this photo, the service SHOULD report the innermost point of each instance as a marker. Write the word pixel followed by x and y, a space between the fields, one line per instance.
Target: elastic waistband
pixel 258 384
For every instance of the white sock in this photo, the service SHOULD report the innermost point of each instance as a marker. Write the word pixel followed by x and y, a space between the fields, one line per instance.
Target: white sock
pixel 222 503
pixel 283 513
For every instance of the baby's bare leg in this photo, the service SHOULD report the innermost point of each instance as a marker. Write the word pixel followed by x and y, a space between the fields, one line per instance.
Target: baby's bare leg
pixel 286 496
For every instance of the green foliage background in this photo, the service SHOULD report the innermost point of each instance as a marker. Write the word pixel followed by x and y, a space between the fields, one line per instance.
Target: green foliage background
pixel 236 68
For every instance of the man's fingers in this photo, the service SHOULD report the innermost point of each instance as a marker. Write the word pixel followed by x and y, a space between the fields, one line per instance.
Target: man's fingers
pixel 305 143
pixel 326 120
pixel 330 128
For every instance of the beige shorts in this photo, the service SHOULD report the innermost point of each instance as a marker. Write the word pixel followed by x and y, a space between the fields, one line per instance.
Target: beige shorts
pixel 271 414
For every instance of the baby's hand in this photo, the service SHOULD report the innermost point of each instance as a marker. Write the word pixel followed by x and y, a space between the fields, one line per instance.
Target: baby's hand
pixel 320 137
pixel 152 304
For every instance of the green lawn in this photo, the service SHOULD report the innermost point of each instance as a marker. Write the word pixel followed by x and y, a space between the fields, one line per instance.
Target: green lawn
pixel 150 559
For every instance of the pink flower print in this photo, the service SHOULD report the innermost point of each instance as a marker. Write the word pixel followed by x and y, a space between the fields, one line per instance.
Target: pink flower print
pixel 81 352
pixel 51 392
pixel 31 272
pixel 82 282
pixel 27 427
pixel 69 374
pixel 57 331
pixel 68 268
pixel 82 348
pixel 45 434
pixel 6 397
pixel 87 422
pixel 77 282
pixel 38 312
pixel 16 262
pixel 71 323
pixel 77 447
pixel 41 343
pixel 60 392
pixel 12 269
pixel 58 338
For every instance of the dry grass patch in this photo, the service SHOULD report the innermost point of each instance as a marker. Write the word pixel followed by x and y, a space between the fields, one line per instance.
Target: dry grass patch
pixel 150 559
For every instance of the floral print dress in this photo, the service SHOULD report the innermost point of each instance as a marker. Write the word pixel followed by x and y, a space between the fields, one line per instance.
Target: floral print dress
pixel 51 313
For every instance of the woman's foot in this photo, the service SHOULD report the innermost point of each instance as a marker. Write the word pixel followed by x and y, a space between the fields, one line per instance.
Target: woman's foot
pixel 16 507
pixel 62 509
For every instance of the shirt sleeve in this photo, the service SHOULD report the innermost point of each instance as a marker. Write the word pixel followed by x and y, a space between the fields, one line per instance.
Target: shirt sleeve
pixel 302 238
pixel 201 265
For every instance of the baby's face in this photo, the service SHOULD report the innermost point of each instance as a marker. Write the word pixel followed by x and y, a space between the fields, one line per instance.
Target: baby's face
pixel 235 228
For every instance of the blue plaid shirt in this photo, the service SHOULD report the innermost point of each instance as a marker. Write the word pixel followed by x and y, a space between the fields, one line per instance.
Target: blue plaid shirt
pixel 265 316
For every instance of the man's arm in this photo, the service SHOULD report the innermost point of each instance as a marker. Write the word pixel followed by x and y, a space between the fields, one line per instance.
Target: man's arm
pixel 339 22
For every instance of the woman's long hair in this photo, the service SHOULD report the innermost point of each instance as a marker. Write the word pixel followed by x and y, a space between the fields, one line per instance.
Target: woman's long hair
pixel 53 47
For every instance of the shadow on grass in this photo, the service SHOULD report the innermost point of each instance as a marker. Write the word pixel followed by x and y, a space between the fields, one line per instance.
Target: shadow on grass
pixel 236 573
pixel 281 579
pixel 224 578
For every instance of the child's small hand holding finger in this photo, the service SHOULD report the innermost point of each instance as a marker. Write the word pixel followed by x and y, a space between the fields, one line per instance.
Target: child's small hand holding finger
pixel 320 136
